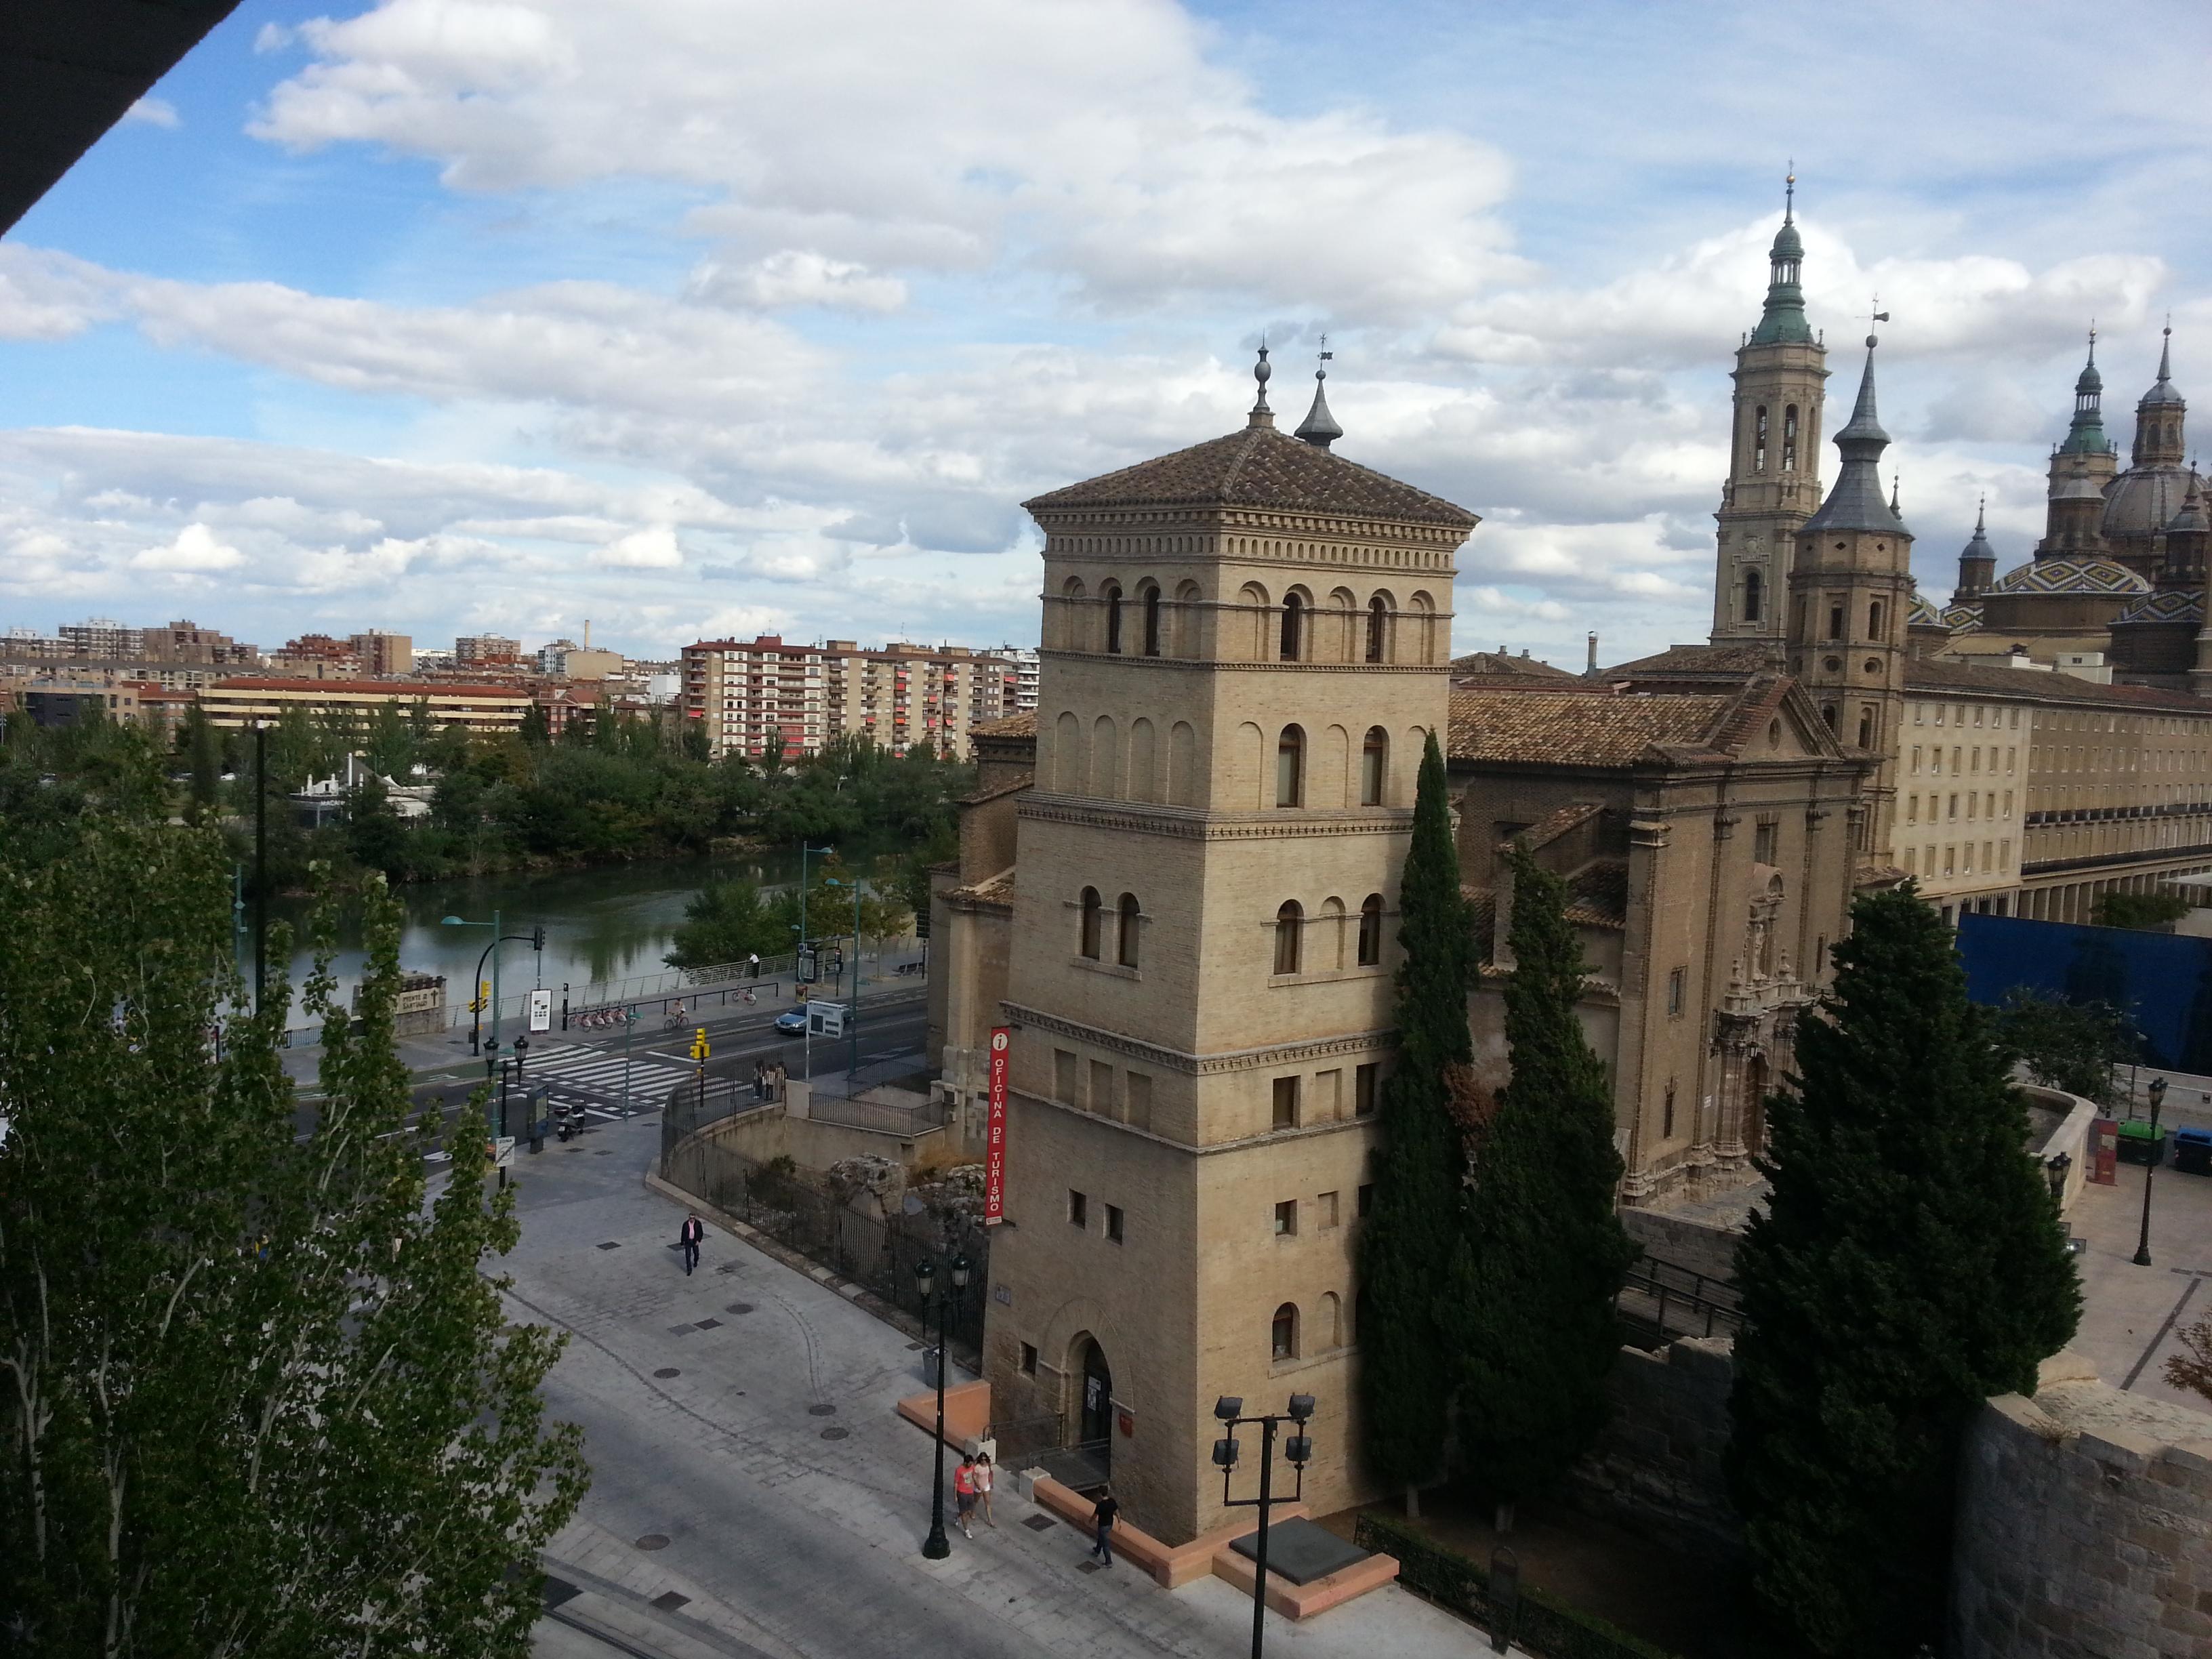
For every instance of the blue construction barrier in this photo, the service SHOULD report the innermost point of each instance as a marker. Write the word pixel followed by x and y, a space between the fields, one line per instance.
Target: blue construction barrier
pixel 2162 981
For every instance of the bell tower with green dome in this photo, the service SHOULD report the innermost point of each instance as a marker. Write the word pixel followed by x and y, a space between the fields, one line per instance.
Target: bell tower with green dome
pixel 1774 478
pixel 2081 468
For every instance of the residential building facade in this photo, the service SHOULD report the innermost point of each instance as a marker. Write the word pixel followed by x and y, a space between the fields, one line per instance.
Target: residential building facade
pixel 245 700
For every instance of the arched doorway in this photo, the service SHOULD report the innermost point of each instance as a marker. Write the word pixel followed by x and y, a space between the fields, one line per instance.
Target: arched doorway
pixel 1095 1406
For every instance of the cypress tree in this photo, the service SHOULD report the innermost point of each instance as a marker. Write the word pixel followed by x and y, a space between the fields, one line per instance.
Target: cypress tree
pixel 1535 1282
pixel 1404 1376
pixel 1908 1264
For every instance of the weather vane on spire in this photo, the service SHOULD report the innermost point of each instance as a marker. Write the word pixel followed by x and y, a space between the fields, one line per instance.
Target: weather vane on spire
pixel 1876 315
pixel 1789 193
pixel 1326 356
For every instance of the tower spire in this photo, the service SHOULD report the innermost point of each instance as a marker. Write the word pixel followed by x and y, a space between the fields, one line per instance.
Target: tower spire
pixel 2086 434
pixel 1261 415
pixel 1319 427
pixel 1782 319
pixel 1855 502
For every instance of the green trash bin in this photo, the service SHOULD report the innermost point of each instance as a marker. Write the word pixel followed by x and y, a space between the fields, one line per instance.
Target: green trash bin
pixel 2140 1144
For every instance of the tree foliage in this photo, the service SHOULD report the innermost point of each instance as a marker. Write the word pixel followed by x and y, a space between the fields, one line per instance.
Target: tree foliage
pixel 1537 1276
pixel 2151 910
pixel 258 1395
pixel 1405 1373
pixel 2074 1046
pixel 1908 1264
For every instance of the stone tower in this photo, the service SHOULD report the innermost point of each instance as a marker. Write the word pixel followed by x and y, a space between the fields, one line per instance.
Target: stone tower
pixel 1978 560
pixel 1774 477
pixel 1848 594
pixel 2081 467
pixel 1246 644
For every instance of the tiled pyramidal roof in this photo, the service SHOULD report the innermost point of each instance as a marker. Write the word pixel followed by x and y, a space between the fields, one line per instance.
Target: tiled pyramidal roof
pixel 1259 467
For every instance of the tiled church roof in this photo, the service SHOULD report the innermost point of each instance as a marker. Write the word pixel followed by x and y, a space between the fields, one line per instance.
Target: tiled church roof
pixel 2070 576
pixel 1573 728
pixel 1259 467
pixel 1503 664
pixel 2182 605
pixel 1013 725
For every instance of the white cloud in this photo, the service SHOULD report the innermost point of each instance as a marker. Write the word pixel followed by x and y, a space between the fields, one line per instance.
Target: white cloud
pixel 793 278
pixel 194 550
pixel 653 547
pixel 152 112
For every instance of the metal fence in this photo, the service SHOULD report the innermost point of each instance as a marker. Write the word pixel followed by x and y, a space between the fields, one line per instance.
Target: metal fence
pixel 791 1207
pixel 889 1119
pixel 1660 1301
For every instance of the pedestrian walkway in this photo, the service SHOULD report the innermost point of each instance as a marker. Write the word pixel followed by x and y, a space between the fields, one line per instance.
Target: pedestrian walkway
pixel 740 1427
pixel 600 1082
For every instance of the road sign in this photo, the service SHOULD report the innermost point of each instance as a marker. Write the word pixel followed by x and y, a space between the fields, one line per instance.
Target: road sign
pixel 502 1152
pixel 825 1019
pixel 541 1010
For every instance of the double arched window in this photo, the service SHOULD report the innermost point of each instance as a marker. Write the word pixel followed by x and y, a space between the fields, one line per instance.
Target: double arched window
pixel 1373 765
pixel 1290 936
pixel 1290 766
pixel 1370 931
pixel 1126 918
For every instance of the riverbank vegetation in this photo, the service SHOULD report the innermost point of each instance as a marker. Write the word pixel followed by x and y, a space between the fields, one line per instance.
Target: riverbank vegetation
pixel 624 789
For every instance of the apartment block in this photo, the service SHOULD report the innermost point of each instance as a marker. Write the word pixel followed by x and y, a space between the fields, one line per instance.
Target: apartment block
pixel 384 656
pixel 907 697
pixel 746 692
pixel 248 699
pixel 479 650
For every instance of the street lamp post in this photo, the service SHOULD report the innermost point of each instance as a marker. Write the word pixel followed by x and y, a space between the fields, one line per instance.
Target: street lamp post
pixel 937 1546
pixel 853 1008
pixel 1297 1448
pixel 2157 1092
pixel 535 938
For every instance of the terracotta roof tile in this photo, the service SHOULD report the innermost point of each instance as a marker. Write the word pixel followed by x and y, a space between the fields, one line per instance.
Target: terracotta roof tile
pixel 1260 467
pixel 1500 664
pixel 1702 661
pixel 1013 725
pixel 1937 675
pixel 1573 728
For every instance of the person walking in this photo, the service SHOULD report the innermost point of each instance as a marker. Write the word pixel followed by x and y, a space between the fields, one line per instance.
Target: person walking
pixel 983 1473
pixel 963 1494
pixel 776 1074
pixel 689 1236
pixel 760 1078
pixel 1102 1518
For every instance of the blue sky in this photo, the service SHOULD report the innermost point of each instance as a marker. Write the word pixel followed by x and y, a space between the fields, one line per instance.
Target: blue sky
pixel 443 315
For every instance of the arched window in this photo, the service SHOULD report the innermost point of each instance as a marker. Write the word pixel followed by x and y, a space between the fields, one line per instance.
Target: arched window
pixel 1329 1321
pixel 1253 598
pixel 1754 595
pixel 1828 713
pixel 1068 623
pixel 1865 728
pixel 1378 624
pixel 1294 627
pixel 1759 440
pixel 1370 931
pixel 1873 620
pixel 1093 924
pixel 1188 601
pixel 1284 1340
pixel 1373 759
pixel 1129 919
pixel 1112 594
pixel 1290 928
pixel 1789 439
pixel 1290 766
pixel 1152 622
pixel 1835 621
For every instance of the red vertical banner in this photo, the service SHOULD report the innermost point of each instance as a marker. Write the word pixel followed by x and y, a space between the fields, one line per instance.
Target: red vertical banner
pixel 2104 1150
pixel 995 1139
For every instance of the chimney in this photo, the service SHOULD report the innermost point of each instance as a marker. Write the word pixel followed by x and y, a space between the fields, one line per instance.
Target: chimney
pixel 1590 667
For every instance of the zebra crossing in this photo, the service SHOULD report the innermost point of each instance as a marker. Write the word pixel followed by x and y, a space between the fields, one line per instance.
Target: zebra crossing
pixel 592 1079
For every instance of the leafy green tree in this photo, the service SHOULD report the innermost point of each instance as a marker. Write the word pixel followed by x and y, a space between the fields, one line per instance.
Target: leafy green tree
pixel 1405 1370
pixel 204 757
pixel 537 734
pixel 2148 910
pixel 2073 1045
pixel 694 741
pixel 373 833
pixel 1536 1283
pixel 390 745
pixel 260 1399
pixel 1907 1265
pixel 727 922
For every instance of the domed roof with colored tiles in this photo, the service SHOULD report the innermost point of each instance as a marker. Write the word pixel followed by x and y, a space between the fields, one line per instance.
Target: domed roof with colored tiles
pixel 2071 576
pixel 2174 605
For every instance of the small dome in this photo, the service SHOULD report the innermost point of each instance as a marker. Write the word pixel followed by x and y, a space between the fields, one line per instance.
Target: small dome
pixel 2191 518
pixel 2164 394
pixel 1788 244
pixel 2071 576
pixel 2142 501
pixel 2089 379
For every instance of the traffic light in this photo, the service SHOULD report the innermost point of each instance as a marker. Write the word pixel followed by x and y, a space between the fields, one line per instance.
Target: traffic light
pixel 834 965
pixel 922 922
pixel 538 936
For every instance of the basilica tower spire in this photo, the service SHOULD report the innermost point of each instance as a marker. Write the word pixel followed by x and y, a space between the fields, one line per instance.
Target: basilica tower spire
pixel 1773 480
pixel 1849 588
pixel 2081 467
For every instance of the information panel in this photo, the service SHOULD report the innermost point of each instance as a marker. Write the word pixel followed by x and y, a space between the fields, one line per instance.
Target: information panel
pixel 994 1143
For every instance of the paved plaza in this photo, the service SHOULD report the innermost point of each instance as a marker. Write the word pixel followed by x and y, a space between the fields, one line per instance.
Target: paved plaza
pixel 754 1494
pixel 2131 1315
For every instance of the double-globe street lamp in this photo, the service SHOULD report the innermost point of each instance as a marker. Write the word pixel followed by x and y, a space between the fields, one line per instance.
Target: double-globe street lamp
pixel 937 1546
pixel 2157 1092
pixel 1297 1449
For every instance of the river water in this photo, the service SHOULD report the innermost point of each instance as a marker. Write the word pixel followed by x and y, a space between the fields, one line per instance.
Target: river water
pixel 610 922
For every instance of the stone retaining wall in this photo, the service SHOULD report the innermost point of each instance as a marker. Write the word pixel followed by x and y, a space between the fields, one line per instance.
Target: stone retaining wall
pixel 1658 1467
pixel 2085 1525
